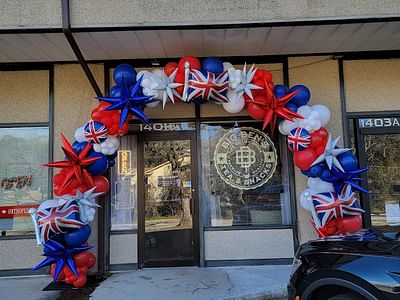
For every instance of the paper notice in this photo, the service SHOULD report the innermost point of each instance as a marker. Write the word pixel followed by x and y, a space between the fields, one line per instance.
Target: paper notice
pixel 392 214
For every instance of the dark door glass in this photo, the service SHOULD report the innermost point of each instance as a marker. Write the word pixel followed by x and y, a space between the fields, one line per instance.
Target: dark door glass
pixel 168 201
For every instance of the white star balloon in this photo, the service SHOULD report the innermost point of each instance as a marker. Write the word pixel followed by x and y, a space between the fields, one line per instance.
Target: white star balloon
pixel 330 153
pixel 167 86
pixel 245 86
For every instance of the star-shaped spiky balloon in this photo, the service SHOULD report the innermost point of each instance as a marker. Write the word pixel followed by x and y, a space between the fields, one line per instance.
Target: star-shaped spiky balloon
pixel 60 255
pixel 129 101
pixel 330 153
pixel 245 86
pixel 167 85
pixel 340 179
pixel 75 165
pixel 275 107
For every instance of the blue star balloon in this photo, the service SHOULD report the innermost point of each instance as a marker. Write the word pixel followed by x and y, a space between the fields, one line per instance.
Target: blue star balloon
pixel 339 179
pixel 57 253
pixel 129 101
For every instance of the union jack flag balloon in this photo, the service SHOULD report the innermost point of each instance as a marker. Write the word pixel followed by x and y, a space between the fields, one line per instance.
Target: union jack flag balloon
pixel 208 86
pixel 299 139
pixel 54 218
pixel 329 206
pixel 95 132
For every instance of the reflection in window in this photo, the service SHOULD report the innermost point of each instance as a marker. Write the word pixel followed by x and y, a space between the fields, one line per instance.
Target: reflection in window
pixel 268 204
pixel 124 185
pixel 24 182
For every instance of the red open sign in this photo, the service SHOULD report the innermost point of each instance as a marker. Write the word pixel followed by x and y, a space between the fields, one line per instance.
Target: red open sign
pixel 16 210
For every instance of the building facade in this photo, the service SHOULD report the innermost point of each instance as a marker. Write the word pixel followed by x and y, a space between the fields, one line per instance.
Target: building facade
pixel 168 204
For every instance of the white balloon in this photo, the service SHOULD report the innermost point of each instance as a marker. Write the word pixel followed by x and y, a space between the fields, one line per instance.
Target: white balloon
pixel 317 185
pixel 227 65
pixel 90 218
pixel 79 135
pixel 287 126
pixel 235 104
pixel 153 104
pixel 144 73
pixel 159 73
pixel 324 113
pixel 305 199
pixel 304 111
pixel 114 141
pixel 97 147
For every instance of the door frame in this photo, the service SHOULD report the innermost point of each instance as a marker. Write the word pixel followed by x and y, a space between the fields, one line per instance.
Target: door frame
pixel 165 136
pixel 359 142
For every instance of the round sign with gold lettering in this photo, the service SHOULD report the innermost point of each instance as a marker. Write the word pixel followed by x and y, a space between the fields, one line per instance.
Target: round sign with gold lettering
pixel 245 158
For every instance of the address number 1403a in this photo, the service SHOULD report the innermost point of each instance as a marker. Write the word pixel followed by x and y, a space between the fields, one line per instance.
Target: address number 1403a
pixel 379 122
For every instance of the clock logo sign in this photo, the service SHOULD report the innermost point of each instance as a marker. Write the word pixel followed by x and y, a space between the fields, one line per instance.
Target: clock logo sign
pixel 245 158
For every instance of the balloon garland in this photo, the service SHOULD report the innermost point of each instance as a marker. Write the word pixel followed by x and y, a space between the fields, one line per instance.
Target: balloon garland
pixel 62 224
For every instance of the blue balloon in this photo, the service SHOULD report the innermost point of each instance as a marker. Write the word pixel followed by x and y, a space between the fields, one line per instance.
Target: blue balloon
pixel 291 106
pixel 111 163
pixel 302 97
pixel 280 90
pixel 78 236
pixel 304 172
pixel 78 146
pixel 213 65
pixel 98 167
pixel 325 174
pixel 126 72
pixel 315 171
pixel 115 91
pixel 348 161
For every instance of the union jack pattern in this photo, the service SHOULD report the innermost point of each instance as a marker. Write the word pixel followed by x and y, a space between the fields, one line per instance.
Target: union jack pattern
pixel 95 132
pixel 59 219
pixel 208 87
pixel 329 206
pixel 299 139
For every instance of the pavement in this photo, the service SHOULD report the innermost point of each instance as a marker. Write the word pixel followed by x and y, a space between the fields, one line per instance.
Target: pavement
pixel 185 283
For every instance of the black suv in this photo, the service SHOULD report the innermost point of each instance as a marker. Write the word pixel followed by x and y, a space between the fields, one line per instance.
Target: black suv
pixel 361 266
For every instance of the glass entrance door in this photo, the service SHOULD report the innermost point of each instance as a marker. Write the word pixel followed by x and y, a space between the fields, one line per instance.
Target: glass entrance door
pixel 382 156
pixel 169 204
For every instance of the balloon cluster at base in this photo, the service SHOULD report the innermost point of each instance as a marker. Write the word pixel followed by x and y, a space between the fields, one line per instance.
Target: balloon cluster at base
pixel 62 224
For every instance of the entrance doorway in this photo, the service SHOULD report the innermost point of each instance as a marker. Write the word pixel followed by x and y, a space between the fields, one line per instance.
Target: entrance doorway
pixel 168 219
pixel 378 141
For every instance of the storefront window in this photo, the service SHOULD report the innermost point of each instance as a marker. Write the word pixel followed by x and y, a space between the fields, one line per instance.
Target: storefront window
pixel 244 175
pixel 124 185
pixel 24 182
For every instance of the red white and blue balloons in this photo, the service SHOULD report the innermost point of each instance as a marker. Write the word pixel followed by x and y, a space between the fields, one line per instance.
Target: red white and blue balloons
pixel 95 132
pixel 299 139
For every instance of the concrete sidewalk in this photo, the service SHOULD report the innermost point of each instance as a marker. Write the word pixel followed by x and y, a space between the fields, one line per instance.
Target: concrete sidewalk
pixel 186 283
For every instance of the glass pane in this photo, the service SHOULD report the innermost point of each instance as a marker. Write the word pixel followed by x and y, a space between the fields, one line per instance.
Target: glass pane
pixel 168 196
pixel 24 182
pixel 231 204
pixel 124 185
pixel 383 159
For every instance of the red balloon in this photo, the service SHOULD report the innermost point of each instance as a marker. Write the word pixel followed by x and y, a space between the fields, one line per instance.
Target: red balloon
pixel 304 159
pixel 81 259
pixel 320 149
pixel 101 183
pixel 81 281
pixel 194 63
pixel 319 138
pixel 180 78
pixel 170 67
pixel 91 260
pixel 255 111
pixel 349 224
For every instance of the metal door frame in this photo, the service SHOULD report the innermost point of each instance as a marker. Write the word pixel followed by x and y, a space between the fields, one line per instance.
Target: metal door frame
pixel 166 136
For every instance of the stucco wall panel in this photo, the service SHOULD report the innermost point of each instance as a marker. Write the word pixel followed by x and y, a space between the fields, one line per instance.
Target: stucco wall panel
pixel 24 96
pixel 248 244
pixel 74 99
pixel 372 85
pixel 123 248
pixel 30 14
pixel 321 76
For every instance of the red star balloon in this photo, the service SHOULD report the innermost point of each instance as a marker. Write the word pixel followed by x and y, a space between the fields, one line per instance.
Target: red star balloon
pixel 74 165
pixel 275 108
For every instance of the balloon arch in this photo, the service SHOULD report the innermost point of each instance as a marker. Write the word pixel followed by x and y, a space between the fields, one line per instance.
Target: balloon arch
pixel 62 224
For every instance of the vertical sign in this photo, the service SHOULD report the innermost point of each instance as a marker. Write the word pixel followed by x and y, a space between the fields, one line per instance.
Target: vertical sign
pixel 124 162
